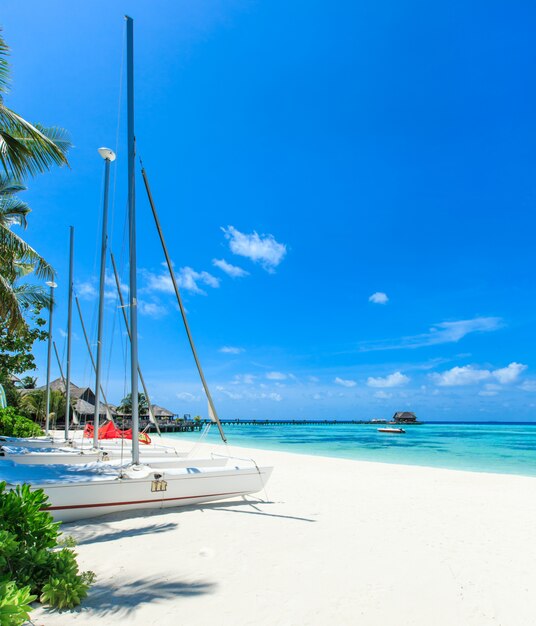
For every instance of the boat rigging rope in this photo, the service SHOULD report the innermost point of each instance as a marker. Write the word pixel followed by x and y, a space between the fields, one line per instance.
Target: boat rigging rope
pixel 152 418
pixel 179 301
pixel 201 439
pixel 107 409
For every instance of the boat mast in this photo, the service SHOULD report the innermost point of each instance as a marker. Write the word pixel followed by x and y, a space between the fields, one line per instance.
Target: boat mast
pixel 133 296
pixel 152 417
pixel 58 360
pixel 93 364
pixel 69 333
pixel 213 415
pixel 108 157
pixel 52 286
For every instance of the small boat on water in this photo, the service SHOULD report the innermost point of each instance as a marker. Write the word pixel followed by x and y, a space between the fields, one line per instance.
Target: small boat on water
pixel 392 431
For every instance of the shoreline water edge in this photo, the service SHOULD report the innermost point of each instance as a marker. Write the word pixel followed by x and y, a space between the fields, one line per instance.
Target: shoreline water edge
pixel 495 448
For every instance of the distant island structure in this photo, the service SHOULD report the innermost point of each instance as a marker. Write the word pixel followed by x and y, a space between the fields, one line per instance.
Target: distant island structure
pixel 405 417
pixel 83 403
pixel 400 417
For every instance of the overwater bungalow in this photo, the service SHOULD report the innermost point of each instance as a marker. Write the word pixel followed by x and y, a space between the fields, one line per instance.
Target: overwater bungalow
pixel 404 417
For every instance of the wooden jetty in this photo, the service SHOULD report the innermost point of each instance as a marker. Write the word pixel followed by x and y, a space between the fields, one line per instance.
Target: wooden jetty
pixel 257 422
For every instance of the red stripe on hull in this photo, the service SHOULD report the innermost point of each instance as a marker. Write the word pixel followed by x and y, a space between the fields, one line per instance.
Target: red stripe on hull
pixel 92 506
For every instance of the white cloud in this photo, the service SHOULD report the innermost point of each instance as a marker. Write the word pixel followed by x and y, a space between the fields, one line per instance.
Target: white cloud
pixel 276 376
pixel 109 281
pixel 86 291
pixel 393 380
pixel 344 382
pixel 231 350
pixel 466 375
pixel 263 249
pixel 230 394
pixel 509 374
pixel 159 282
pixel 187 279
pixel 528 385
pixel 151 309
pixel 383 395
pixel 250 395
pixel 231 270
pixel 314 379
pixel 379 298
pixel 487 393
pixel 469 375
pixel 244 379
pixel 445 332
pixel 185 395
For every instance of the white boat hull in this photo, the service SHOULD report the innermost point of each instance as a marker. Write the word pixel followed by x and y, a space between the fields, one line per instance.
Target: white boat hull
pixel 33 442
pixel 76 458
pixel 114 445
pixel 67 456
pixel 148 488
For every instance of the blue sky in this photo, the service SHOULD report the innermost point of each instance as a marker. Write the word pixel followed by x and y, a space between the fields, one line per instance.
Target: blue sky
pixel 347 190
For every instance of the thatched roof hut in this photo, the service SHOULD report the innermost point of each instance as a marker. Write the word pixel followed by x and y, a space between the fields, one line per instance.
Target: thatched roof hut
pixel 160 411
pixel 84 408
pixel 404 417
pixel 84 401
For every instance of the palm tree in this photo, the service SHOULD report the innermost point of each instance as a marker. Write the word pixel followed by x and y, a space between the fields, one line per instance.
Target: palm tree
pixel 17 258
pixel 34 404
pixel 28 382
pixel 126 405
pixel 25 148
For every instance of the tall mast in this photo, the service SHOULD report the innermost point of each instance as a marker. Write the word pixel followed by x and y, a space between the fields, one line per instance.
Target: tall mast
pixel 108 157
pixel 52 286
pixel 132 243
pixel 69 333
pixel 212 409
pixel 58 360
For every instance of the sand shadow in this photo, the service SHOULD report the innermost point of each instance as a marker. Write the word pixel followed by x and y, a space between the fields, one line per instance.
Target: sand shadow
pixel 122 597
pixel 249 507
pixel 242 505
pixel 102 532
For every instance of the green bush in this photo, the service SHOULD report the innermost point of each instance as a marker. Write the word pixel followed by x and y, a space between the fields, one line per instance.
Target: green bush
pixel 14 604
pixel 14 425
pixel 32 559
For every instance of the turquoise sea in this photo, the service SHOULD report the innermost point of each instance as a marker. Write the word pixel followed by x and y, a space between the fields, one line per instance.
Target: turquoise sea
pixel 500 448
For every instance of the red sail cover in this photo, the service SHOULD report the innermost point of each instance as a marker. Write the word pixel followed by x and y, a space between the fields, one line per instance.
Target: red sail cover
pixel 110 431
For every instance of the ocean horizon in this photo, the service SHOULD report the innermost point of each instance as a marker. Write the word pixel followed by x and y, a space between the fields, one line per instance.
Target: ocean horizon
pixel 496 447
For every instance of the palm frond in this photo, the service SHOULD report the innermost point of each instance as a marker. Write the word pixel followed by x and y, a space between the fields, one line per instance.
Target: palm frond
pixel 13 154
pixel 59 136
pixel 4 66
pixel 10 186
pixel 14 247
pixel 25 149
pixel 20 270
pixel 13 211
pixel 32 295
pixel 9 305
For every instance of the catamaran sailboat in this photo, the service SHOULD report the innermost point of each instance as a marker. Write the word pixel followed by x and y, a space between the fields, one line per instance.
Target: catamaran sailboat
pixel 81 491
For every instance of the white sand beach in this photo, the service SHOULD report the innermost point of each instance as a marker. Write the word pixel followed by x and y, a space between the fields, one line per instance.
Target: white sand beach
pixel 331 542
